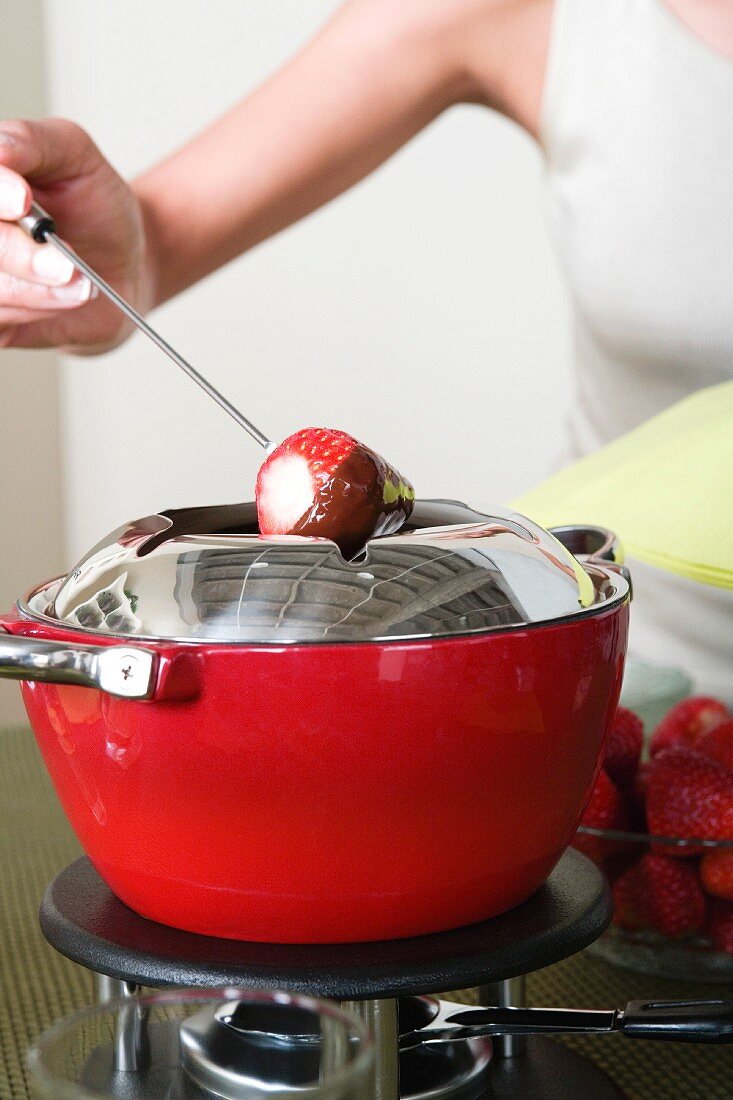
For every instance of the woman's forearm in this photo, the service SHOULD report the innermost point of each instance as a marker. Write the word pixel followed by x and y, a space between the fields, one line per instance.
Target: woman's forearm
pixel 377 74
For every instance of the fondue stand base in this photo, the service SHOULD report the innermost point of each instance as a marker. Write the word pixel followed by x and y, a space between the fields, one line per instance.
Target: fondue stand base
pixel 83 920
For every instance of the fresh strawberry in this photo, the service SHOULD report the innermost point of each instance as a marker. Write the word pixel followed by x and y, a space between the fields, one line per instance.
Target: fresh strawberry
pixel 686 721
pixel 716 872
pixel 623 747
pixel 673 898
pixel 325 483
pixel 629 898
pixel 719 924
pixel 689 795
pixel 717 742
pixel 605 810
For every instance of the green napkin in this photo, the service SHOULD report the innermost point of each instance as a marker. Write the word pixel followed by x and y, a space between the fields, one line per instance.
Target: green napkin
pixel 665 488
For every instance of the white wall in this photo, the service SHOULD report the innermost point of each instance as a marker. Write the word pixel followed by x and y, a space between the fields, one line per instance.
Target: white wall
pixel 422 312
pixel 31 533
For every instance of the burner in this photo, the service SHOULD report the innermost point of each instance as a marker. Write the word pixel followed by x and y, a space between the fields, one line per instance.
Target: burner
pixel 192 1059
pixel 82 919
pixel 219 1037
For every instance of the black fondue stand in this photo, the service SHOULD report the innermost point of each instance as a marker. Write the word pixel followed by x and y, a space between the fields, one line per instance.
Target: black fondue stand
pixel 83 920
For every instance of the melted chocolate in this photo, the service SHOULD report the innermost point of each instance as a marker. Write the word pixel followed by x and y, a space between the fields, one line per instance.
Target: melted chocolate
pixel 364 497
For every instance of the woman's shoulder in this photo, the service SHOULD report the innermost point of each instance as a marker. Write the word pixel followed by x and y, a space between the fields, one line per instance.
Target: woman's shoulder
pixel 502 45
pixel 508 47
pixel 496 49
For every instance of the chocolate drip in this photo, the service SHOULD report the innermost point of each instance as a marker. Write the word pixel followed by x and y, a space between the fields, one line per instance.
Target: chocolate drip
pixel 362 498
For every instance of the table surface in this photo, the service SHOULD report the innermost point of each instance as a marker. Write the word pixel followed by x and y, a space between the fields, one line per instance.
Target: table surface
pixel 38 986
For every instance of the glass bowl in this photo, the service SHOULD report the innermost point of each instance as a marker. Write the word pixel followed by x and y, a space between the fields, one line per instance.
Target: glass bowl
pixel 634 939
pixel 191 1044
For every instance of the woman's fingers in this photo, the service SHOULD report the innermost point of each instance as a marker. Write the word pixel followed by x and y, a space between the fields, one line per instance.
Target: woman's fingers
pixel 50 151
pixel 21 257
pixel 35 263
pixel 19 296
pixel 10 317
pixel 15 193
pixel 34 331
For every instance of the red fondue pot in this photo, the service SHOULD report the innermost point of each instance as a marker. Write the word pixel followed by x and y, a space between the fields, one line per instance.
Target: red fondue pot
pixel 254 738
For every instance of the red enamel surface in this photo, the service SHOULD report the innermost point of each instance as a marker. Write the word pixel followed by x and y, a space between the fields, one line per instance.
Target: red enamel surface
pixel 336 793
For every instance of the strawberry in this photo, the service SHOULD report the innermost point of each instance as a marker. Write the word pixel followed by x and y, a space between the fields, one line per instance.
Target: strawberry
pixel 673 897
pixel 325 483
pixel 629 900
pixel 686 721
pixel 717 742
pixel 605 810
pixel 623 747
pixel 719 924
pixel 716 872
pixel 689 795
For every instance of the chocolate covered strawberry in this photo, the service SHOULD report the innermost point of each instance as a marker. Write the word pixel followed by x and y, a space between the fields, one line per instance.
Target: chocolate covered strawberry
pixel 325 483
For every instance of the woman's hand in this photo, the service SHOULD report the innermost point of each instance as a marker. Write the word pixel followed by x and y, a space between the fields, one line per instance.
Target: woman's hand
pixel 44 301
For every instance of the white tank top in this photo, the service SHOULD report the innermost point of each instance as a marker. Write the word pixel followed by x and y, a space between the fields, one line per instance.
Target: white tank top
pixel 637 127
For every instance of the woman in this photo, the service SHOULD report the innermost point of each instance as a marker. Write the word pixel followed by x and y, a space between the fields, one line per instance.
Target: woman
pixel 631 102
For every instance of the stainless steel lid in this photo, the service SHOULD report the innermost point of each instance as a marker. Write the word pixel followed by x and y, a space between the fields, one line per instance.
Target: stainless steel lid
pixel 207 574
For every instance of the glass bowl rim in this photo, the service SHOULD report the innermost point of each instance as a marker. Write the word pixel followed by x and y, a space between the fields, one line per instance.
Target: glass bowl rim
pixel 656 838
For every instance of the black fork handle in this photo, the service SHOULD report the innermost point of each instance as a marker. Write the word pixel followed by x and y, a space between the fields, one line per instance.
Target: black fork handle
pixel 686 1021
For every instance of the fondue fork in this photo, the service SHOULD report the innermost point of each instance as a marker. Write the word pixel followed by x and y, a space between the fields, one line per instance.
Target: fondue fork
pixel 691 1021
pixel 687 1021
pixel 42 228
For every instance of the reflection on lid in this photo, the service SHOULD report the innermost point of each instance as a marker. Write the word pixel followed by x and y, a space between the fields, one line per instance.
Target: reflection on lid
pixel 111 609
pixel 306 591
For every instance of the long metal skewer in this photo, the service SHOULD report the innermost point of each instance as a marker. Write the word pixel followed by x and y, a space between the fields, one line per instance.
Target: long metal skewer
pixel 42 228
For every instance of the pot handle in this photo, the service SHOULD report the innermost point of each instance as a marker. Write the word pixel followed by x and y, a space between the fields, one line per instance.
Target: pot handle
pixel 595 545
pixel 590 543
pixel 125 671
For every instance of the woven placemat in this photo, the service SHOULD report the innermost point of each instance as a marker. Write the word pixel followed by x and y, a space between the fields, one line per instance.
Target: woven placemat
pixel 38 986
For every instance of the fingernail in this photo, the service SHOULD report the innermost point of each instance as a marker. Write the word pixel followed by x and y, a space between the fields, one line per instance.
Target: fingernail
pixel 12 199
pixel 80 291
pixel 51 266
pixel 7 139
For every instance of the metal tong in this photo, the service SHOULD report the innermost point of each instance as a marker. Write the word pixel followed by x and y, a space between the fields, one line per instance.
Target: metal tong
pixel 39 225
